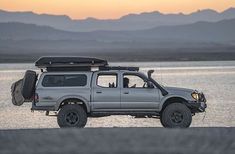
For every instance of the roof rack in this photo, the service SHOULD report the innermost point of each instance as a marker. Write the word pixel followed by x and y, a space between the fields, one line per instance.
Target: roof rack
pixel 106 68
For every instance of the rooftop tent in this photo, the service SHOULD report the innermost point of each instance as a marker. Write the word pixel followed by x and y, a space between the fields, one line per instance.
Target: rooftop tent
pixel 76 64
pixel 45 62
pixel 69 63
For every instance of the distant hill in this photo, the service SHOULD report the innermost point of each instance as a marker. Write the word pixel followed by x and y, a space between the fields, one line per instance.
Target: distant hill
pixel 21 42
pixel 221 31
pixel 128 22
pixel 21 31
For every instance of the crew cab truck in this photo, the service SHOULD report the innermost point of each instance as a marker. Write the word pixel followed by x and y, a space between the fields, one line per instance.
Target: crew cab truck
pixel 78 87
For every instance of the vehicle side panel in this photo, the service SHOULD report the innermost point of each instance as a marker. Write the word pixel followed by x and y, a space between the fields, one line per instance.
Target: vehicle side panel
pixel 52 96
pixel 104 99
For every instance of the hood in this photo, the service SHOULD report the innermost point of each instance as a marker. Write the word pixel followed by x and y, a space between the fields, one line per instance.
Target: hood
pixel 176 90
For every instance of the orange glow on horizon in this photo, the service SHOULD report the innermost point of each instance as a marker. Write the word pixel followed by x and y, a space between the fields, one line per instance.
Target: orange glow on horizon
pixel 112 9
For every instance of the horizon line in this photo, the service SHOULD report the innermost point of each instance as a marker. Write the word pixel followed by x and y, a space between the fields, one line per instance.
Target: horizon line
pixel 146 12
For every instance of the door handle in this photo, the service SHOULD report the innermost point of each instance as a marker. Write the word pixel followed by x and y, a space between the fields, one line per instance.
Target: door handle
pixel 126 92
pixel 99 92
pixel 48 98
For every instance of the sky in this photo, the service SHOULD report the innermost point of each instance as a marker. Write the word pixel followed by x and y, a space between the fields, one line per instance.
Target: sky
pixel 112 9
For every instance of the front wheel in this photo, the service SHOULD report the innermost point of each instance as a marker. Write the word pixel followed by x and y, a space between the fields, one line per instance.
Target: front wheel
pixel 176 115
pixel 72 115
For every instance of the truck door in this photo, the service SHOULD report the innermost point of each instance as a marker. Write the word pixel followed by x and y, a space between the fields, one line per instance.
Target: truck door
pixel 106 91
pixel 136 95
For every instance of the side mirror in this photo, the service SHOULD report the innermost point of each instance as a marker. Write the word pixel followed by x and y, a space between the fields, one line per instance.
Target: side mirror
pixel 150 84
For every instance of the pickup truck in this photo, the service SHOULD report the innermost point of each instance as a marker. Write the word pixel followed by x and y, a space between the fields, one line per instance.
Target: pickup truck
pixel 77 88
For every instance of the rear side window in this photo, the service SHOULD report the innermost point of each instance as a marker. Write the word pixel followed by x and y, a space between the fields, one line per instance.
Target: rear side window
pixel 77 80
pixel 107 80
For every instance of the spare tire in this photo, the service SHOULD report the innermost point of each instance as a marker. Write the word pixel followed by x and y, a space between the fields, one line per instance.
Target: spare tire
pixel 17 98
pixel 28 85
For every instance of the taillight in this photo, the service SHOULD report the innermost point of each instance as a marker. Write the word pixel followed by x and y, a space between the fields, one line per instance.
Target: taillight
pixel 36 98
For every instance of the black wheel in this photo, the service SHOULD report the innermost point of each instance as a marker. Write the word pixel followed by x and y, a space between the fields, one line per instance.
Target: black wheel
pixel 176 115
pixel 28 85
pixel 72 115
pixel 163 124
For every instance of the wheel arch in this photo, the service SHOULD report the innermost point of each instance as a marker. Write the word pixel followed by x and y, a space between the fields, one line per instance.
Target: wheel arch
pixel 75 99
pixel 172 99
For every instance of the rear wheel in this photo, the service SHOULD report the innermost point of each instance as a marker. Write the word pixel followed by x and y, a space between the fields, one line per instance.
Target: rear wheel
pixel 176 115
pixel 72 115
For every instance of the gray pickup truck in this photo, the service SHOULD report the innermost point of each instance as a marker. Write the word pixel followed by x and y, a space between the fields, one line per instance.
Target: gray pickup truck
pixel 76 88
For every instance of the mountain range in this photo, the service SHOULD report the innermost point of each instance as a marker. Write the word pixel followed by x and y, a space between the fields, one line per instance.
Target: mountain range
pixel 128 22
pixel 154 36
pixel 221 31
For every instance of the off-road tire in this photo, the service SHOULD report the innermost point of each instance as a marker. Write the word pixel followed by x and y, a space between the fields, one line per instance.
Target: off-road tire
pixel 28 85
pixel 176 115
pixel 163 124
pixel 69 113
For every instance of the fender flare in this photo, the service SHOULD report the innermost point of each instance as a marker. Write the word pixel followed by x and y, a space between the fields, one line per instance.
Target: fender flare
pixel 164 100
pixel 84 100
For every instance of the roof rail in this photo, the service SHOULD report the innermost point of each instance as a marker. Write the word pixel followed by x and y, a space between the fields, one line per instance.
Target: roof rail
pixel 106 68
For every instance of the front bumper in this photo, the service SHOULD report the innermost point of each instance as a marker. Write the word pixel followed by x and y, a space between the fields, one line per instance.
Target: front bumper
pixel 198 106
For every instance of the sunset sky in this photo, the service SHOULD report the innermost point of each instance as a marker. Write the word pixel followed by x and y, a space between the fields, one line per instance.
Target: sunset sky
pixel 111 9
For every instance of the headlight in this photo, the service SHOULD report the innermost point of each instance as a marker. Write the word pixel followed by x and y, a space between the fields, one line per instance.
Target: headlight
pixel 195 95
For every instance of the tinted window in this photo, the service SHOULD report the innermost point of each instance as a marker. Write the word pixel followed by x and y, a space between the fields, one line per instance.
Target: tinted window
pixel 53 81
pixel 64 80
pixel 75 80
